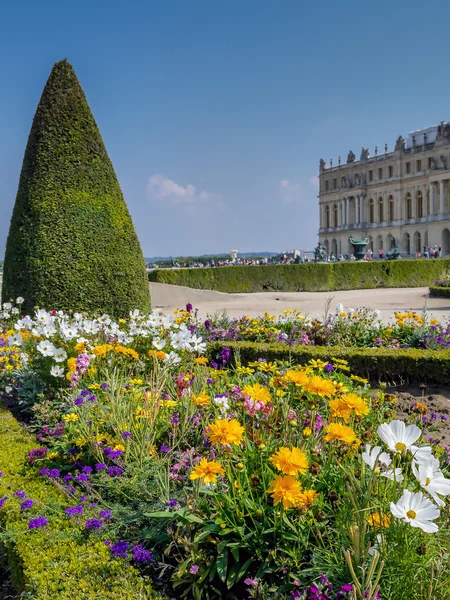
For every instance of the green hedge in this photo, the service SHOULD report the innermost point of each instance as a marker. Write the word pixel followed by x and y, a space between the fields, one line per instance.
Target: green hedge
pixel 439 291
pixel 376 364
pixel 71 243
pixel 309 277
pixel 59 561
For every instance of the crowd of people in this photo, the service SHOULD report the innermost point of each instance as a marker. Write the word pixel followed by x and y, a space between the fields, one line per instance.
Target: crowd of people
pixel 428 252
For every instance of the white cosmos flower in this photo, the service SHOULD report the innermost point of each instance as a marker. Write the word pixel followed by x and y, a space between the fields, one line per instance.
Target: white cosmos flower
pixel 172 358
pixel 7 306
pixel 432 479
pixel 339 308
pixel 20 300
pixel 57 371
pixel 398 436
pixel 198 345
pixel 46 348
pixel 222 403
pixel 372 456
pixel 393 474
pixel 15 310
pixel 158 343
pixel 59 355
pixel 417 510
pixel 423 454
pixel 15 340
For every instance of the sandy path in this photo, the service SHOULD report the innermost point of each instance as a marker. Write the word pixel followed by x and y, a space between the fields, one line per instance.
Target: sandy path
pixel 165 298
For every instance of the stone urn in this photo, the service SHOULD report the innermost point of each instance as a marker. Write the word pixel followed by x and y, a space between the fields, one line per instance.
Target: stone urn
pixel 359 248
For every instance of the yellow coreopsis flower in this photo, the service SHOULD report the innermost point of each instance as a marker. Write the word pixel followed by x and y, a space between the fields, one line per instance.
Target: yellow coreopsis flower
pixel 202 399
pixel 70 418
pixel 317 363
pixel 290 461
pixel 342 433
pixel 201 360
pixel 207 471
pixel 306 498
pixel 320 387
pixel 300 378
pixel 52 455
pixel 136 381
pixel 169 403
pixel 378 520
pixel 339 409
pixel 245 371
pixel 285 489
pixel 257 392
pixel 225 431
pixel 356 403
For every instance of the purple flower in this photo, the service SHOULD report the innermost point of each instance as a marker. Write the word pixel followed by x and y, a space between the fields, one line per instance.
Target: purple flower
pixel 20 494
pixel 44 472
pixel 85 393
pixel 111 453
pixel 92 398
pixel 189 307
pixel 104 386
pixel 93 524
pixel 100 466
pixel 105 514
pixel 36 453
pixel 172 502
pixel 54 473
pixel 73 451
pixel 164 448
pixel 2 501
pixel 142 555
pixel 26 504
pixel 194 569
pixel 126 434
pixel 115 471
pixel 82 477
pixel 207 324
pixel 328 367
pixel 71 490
pixel 78 401
pixel 37 522
pixel 67 477
pixel 120 549
pixel 249 581
pixel 86 469
pixel 74 510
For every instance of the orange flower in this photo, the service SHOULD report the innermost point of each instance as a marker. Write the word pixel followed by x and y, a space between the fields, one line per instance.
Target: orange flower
pixel 201 400
pixel 257 392
pixel 377 520
pixel 340 409
pixel 285 489
pixel 336 431
pixel 225 431
pixel 320 387
pixel 356 403
pixel 207 471
pixel 300 378
pixel 305 498
pixel 290 461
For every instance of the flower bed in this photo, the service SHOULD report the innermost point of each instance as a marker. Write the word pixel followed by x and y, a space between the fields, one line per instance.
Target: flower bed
pixel 438 291
pixel 267 480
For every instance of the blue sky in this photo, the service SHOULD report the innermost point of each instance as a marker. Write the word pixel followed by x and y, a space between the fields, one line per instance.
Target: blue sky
pixel 215 113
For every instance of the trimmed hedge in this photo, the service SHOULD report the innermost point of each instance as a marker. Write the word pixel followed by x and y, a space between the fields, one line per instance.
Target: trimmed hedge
pixel 439 291
pixel 59 560
pixel 310 277
pixel 376 364
pixel 71 243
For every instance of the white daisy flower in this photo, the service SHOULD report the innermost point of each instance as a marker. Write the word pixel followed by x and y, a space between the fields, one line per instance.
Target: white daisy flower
pixel 46 348
pixel 15 340
pixel 423 454
pixel 372 456
pixel 57 371
pixel 393 474
pixel 432 479
pixel 59 355
pixel 158 343
pixel 15 310
pixel 398 436
pixel 20 300
pixel 417 510
pixel 7 306
pixel 172 358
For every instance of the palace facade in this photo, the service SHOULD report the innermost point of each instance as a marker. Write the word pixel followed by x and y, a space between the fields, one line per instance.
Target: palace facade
pixel 399 198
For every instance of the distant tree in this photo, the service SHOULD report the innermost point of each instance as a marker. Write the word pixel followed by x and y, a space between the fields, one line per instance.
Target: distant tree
pixel 71 243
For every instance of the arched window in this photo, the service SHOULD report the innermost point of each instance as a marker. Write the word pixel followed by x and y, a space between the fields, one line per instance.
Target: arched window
pixel 408 211
pixel 406 244
pixel 371 211
pixel 327 217
pixel 419 205
pixel 391 209
pixel 335 216
pixel 417 243
pixel 380 210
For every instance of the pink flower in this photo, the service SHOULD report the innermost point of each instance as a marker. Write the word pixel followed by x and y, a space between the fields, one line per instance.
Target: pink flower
pixel 194 569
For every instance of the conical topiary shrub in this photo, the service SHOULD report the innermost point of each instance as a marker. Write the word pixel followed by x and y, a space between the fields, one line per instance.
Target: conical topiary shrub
pixel 71 243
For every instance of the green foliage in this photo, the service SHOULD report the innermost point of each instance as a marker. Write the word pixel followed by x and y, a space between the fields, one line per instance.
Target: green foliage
pixel 58 561
pixel 309 277
pixel 376 364
pixel 71 244
pixel 438 291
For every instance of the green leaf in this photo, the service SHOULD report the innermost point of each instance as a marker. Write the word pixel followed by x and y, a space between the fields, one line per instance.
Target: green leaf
pixel 222 565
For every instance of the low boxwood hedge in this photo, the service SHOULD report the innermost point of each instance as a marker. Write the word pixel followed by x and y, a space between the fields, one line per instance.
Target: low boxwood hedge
pixel 309 277
pixel 376 364
pixel 60 560
pixel 439 291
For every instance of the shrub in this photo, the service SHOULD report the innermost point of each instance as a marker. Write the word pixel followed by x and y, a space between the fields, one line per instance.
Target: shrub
pixel 307 277
pixel 58 561
pixel 71 244
pixel 438 291
pixel 376 364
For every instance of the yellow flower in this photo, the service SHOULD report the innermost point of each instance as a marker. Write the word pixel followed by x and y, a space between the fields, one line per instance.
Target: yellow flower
pixel 201 360
pixel 336 431
pixel 421 408
pixel 356 403
pixel 434 322
pixel 122 321
pixel 401 323
pixel 377 520
pixel 119 447
pixel 306 498
pixel 342 314
pixel 317 364
pixel 285 489
pixel 80 347
pixel 359 379
pixel 245 370
pixel 169 403
pixel 339 409
pixel 136 381
pixel 340 387
pixel 81 442
pixel 94 386
pixel 320 387
pixel 225 431
pixel 52 455
pixel 159 354
pixel 307 432
pixel 389 330
pixel 70 418
pixel 290 461
pixel 300 378
pixel 202 399
pixel 257 392
pixel 207 471
pixel 141 413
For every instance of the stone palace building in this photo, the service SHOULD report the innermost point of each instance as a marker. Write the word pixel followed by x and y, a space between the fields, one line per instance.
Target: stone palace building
pixel 399 198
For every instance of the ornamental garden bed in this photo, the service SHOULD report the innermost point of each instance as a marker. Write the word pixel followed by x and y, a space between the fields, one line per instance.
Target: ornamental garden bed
pixel 156 462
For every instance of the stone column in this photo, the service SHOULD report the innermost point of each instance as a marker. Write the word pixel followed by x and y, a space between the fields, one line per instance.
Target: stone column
pixel 441 197
pixel 347 211
pixel 358 208
pixel 431 198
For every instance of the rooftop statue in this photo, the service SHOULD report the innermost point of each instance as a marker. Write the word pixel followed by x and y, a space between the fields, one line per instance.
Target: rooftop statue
pixel 351 157
pixel 364 154
pixel 400 143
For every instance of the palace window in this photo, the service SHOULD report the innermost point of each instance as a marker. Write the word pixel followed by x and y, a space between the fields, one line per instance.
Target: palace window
pixel 391 171
pixel 327 217
pixel 380 173
pixel 380 210
pixel 326 185
pixel 408 167
pixel 430 163
pixel 371 211
pixel 419 201
pixel 408 206
pixel 334 183
pixel 391 209
pixel 370 175
pixel 418 165
pixel 335 215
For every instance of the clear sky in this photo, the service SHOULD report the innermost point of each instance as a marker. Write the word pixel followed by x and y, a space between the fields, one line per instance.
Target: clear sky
pixel 215 113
